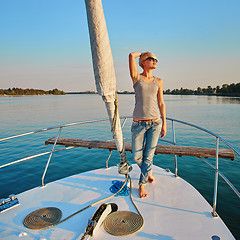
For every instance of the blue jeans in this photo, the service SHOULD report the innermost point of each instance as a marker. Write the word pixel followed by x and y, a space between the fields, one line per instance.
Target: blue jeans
pixel 144 141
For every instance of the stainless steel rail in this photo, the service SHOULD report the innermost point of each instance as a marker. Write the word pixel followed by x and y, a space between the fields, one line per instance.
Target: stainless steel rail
pixel 207 131
pixel 173 141
pixel 51 128
pixel 217 172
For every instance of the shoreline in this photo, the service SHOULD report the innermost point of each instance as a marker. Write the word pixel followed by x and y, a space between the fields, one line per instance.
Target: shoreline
pixel 122 93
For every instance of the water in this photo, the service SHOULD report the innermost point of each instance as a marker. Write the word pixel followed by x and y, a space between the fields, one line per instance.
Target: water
pixel 27 113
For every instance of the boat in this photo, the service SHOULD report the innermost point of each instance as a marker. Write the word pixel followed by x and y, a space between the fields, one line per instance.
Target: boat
pixel 61 209
pixel 104 203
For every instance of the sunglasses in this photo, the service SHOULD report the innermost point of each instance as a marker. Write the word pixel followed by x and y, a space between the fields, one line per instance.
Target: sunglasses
pixel 152 59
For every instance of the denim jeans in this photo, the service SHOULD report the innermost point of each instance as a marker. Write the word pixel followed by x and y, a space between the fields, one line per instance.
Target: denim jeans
pixel 144 141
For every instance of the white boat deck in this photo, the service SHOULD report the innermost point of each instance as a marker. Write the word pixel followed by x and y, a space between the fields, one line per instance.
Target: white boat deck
pixel 173 210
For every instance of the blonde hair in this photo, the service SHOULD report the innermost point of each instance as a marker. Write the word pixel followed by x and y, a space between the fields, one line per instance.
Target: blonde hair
pixel 144 56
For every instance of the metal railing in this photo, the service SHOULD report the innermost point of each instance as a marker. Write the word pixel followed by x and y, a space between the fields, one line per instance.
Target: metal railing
pixel 217 172
pixel 173 141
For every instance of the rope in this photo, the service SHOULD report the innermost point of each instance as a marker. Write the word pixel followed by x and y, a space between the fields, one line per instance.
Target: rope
pixel 120 186
pixel 42 218
pixel 123 223
pixel 132 199
pixel 93 204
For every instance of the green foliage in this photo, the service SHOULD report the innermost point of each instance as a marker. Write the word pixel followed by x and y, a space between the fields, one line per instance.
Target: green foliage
pixel 226 90
pixel 20 91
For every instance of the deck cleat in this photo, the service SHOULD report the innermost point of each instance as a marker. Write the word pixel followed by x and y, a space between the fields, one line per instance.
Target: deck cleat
pixel 124 168
pixel 12 197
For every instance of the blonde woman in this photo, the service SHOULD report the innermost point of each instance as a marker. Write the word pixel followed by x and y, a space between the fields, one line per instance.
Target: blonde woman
pixel 149 106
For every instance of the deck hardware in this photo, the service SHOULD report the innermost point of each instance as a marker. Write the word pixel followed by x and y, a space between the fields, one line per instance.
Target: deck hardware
pixel 21 234
pixel 50 156
pixel 8 203
pixel 214 214
pixel 175 156
pixel 215 237
pixel 98 217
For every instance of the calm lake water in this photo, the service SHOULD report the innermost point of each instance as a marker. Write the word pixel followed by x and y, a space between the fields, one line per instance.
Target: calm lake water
pixel 220 115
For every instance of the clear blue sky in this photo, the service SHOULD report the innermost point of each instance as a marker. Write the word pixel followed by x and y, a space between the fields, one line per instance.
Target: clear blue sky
pixel 45 43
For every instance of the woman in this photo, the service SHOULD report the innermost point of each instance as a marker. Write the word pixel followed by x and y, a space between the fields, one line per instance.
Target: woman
pixel 146 125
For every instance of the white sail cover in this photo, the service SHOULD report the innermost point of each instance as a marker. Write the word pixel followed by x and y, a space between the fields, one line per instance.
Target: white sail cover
pixel 103 67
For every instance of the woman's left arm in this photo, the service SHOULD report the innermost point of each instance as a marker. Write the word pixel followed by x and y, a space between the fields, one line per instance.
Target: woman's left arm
pixel 161 105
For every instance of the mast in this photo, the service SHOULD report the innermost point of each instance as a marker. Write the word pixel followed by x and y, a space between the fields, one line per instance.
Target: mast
pixel 104 72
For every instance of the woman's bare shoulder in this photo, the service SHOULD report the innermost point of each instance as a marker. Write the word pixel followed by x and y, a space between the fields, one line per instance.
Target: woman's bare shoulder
pixel 159 81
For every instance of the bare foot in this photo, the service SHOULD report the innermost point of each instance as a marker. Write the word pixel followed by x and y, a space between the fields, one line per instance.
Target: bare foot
pixel 151 179
pixel 142 192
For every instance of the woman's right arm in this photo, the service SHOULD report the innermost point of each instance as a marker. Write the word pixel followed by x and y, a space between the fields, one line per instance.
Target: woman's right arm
pixel 133 66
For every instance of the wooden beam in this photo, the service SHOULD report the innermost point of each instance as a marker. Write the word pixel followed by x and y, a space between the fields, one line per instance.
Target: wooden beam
pixel 160 149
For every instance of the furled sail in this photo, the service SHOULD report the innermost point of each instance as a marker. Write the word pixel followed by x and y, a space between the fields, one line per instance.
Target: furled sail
pixel 103 67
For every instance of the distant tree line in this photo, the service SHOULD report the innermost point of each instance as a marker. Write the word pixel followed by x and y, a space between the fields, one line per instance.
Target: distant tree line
pixel 84 92
pixel 20 91
pixel 226 90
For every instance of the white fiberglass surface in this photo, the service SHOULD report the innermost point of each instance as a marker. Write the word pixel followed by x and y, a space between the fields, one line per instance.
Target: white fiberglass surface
pixel 173 209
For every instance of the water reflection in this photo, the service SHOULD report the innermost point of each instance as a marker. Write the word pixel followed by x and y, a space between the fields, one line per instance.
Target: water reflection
pixel 202 99
pixel 228 100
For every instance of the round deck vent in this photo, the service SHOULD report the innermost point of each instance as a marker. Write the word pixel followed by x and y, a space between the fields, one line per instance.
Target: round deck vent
pixel 122 223
pixel 42 218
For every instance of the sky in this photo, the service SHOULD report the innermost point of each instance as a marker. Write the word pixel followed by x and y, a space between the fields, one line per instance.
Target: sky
pixel 44 44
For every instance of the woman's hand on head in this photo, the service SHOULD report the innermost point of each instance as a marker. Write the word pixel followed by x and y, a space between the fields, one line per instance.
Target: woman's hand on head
pixel 135 54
